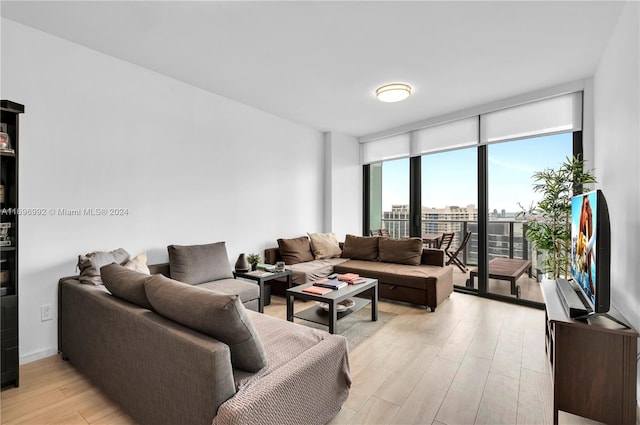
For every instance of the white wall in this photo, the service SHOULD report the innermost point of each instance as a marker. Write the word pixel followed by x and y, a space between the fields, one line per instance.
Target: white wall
pixel 343 185
pixel 617 156
pixel 191 167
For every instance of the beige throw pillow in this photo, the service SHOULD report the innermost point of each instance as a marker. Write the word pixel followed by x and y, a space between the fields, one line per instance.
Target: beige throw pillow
pixel 138 263
pixel 324 245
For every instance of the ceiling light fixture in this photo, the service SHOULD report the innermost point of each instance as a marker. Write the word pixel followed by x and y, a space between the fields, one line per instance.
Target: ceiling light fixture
pixel 393 92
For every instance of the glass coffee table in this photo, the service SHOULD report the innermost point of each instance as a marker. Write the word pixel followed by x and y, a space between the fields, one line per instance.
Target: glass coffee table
pixel 330 318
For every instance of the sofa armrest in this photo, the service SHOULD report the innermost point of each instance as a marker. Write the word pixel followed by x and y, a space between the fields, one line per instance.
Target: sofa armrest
pixel 433 257
pixel 158 371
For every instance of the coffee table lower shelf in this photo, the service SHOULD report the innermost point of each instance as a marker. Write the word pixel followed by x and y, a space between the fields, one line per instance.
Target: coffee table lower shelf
pixel 320 316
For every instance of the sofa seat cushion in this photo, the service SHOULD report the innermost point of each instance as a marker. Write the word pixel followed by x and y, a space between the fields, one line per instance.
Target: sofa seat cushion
pixel 313 270
pixel 396 274
pixel 307 368
pixel 220 316
pixel 247 291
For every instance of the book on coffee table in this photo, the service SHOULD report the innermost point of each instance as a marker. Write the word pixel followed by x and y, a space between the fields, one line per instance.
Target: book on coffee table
pixel 333 284
pixel 318 290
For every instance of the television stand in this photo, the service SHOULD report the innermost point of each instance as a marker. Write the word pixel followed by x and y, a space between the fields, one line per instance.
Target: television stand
pixel 593 363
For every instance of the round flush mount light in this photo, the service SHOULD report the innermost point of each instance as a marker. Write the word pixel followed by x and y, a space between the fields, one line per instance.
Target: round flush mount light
pixel 393 92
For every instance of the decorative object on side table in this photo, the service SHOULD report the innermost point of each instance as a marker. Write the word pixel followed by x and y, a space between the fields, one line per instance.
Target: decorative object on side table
pixel 280 266
pixel 242 265
pixel 254 260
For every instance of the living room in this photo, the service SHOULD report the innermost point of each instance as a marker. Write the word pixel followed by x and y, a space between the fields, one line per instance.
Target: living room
pixel 191 165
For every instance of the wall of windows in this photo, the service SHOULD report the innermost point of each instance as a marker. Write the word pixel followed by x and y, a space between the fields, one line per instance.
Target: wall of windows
pixel 471 175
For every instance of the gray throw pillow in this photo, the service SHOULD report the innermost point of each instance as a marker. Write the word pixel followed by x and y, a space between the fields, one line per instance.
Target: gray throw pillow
pixel 222 317
pixel 196 264
pixel 126 284
pixel 90 264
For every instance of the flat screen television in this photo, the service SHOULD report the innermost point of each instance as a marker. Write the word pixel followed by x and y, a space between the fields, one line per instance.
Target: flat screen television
pixel 591 249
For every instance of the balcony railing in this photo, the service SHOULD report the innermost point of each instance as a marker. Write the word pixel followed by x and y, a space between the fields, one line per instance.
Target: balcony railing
pixel 506 237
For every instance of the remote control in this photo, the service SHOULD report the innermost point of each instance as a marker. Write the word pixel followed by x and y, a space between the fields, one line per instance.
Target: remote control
pixel 332 276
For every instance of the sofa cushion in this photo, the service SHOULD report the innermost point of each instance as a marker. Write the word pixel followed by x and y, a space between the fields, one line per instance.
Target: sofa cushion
pixel 296 250
pixel 397 274
pixel 401 251
pixel 310 271
pixel 247 291
pixel 324 245
pixel 360 248
pixel 220 316
pixel 195 264
pixel 90 264
pixel 126 284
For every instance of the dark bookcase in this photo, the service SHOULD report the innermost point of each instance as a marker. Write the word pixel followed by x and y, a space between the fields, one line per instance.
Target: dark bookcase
pixel 9 147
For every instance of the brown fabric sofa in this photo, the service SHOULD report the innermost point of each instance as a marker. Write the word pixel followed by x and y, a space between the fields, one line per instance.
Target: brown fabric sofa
pixel 427 282
pixel 162 372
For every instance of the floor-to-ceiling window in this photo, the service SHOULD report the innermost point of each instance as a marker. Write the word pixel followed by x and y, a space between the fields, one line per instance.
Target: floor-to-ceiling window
pixel 449 202
pixel 510 190
pixel 389 197
pixel 471 176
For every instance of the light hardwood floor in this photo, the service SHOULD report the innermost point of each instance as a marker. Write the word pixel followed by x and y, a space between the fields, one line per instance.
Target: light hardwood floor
pixel 472 361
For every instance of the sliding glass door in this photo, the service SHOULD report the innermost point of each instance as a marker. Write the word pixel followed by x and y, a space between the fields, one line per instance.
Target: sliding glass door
pixel 449 205
pixel 511 258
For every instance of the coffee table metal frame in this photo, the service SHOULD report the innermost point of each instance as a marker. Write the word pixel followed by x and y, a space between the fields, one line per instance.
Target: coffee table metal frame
pixel 317 315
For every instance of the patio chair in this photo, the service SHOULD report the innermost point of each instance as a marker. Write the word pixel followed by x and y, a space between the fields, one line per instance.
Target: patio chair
pixel 384 232
pixel 375 232
pixel 453 255
pixel 445 241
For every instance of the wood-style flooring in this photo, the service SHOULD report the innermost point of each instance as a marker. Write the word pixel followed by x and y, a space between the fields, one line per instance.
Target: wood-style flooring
pixel 473 361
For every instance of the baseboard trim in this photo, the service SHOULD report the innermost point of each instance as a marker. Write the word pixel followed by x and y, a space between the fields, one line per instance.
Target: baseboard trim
pixel 37 355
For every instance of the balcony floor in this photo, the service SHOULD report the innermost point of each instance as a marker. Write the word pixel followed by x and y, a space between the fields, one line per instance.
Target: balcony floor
pixel 529 288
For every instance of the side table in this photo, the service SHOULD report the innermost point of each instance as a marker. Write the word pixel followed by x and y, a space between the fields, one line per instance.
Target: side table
pixel 261 279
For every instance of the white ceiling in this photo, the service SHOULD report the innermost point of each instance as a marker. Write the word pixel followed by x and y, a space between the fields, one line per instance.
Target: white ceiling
pixel 318 63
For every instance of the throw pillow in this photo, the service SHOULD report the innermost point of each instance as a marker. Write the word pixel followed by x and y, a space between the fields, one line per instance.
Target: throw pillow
pixel 126 284
pixel 324 245
pixel 90 264
pixel 361 248
pixel 400 251
pixel 195 264
pixel 138 263
pixel 220 316
pixel 296 250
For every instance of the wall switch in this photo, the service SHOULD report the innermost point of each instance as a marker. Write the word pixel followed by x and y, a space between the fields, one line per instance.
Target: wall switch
pixel 46 313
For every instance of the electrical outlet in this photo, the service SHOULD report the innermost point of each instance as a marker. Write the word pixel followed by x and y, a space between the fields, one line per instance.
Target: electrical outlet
pixel 46 313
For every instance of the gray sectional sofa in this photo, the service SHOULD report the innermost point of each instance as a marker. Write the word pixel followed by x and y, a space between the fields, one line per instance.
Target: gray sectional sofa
pixel 146 341
pixel 405 271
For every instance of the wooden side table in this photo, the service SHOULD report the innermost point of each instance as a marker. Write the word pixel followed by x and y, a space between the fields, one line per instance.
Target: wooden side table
pixel 260 279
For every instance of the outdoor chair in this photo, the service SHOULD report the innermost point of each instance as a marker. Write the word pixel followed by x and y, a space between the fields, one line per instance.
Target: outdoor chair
pixel 445 241
pixel 453 255
pixel 375 232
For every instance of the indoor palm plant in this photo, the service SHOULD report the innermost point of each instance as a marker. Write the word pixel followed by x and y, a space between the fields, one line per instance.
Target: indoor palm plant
pixel 549 221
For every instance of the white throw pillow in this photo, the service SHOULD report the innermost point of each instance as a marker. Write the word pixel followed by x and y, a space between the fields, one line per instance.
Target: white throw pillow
pixel 139 263
pixel 324 245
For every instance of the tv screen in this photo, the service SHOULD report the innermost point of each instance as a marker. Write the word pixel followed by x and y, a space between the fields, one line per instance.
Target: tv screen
pixel 590 248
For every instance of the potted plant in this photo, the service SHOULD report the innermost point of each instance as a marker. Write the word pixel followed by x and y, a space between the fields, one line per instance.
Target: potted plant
pixel 549 221
pixel 254 260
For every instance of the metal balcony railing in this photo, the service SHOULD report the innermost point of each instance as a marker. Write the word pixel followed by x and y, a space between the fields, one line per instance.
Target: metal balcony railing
pixel 506 237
